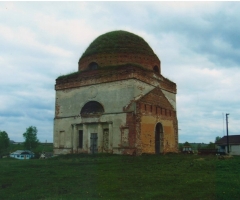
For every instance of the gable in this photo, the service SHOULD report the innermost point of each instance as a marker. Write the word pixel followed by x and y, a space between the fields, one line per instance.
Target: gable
pixel 156 97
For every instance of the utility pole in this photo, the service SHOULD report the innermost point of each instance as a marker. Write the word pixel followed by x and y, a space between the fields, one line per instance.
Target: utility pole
pixel 227 132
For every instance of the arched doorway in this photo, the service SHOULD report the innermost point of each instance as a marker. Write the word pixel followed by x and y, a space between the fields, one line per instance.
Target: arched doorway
pixel 91 109
pixel 158 138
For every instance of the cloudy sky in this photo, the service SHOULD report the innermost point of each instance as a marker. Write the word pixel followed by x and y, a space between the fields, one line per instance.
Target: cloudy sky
pixel 198 45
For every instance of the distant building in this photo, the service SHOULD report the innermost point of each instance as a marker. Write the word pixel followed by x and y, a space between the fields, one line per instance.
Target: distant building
pixel 45 155
pixel 234 144
pixel 22 154
pixel 117 102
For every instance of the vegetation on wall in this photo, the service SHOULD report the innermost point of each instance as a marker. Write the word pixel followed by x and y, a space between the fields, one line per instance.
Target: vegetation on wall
pixel 107 68
pixel 118 42
pixel 68 75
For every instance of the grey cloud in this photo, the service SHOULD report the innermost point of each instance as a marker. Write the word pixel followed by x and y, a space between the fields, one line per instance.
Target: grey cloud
pixel 187 41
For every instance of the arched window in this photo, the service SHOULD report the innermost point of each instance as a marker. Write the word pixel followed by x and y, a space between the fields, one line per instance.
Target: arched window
pixel 93 66
pixel 156 69
pixel 92 108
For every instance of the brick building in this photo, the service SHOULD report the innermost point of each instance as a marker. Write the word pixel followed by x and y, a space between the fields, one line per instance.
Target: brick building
pixel 117 102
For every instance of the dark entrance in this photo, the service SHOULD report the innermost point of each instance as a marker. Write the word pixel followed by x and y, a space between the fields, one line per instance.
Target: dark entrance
pixel 94 147
pixel 158 138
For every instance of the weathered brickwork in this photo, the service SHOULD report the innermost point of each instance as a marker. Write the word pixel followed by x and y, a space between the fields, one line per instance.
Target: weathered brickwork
pixel 122 73
pixel 104 60
pixel 118 102
pixel 155 108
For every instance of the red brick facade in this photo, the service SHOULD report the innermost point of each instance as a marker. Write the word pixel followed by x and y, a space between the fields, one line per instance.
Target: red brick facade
pixel 105 60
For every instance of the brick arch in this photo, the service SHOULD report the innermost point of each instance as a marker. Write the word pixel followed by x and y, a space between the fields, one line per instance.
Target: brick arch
pixel 93 66
pixel 92 108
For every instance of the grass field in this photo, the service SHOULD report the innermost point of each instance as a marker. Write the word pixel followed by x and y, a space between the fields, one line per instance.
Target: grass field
pixel 121 177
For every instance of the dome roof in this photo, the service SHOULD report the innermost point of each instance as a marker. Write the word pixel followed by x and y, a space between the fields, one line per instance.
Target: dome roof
pixel 118 42
pixel 118 48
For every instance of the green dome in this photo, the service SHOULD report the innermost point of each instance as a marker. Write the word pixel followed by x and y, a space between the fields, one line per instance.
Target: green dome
pixel 118 42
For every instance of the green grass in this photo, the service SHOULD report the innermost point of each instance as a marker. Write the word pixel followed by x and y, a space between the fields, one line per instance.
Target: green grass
pixel 118 42
pixel 102 68
pixel 68 75
pixel 121 177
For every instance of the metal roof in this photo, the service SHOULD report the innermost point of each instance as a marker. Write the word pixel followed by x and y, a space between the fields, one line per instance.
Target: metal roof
pixel 22 152
pixel 232 139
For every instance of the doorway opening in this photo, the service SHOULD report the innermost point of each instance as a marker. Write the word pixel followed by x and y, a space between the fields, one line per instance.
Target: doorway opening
pixel 158 138
pixel 94 143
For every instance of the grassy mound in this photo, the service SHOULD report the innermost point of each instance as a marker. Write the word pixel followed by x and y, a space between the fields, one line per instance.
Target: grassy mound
pixel 118 42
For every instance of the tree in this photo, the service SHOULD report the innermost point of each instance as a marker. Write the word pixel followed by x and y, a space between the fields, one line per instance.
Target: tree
pixel 186 144
pixel 199 146
pixel 180 146
pixel 211 145
pixel 4 142
pixel 217 138
pixel 30 136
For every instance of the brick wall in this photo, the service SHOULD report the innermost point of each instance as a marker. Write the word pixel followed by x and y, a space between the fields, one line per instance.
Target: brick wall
pixel 118 59
pixel 155 108
pixel 122 73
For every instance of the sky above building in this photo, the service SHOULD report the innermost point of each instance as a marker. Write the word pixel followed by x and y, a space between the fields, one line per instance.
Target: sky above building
pixel 198 45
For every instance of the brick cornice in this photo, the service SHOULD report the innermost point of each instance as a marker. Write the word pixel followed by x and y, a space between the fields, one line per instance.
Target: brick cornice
pixel 115 74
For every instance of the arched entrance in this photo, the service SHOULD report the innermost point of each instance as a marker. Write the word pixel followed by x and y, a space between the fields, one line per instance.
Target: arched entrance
pixel 158 138
pixel 91 109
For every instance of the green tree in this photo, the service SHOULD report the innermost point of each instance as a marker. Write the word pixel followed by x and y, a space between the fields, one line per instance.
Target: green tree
pixel 199 146
pixel 30 136
pixel 186 144
pixel 180 146
pixel 4 142
pixel 217 138
pixel 211 145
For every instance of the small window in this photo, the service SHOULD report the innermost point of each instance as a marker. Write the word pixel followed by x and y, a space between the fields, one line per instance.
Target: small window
pixel 93 66
pixel 156 69
pixel 61 139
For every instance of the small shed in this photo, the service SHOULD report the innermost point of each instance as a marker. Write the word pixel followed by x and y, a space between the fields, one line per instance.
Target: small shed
pixel 45 155
pixel 22 154
pixel 234 144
